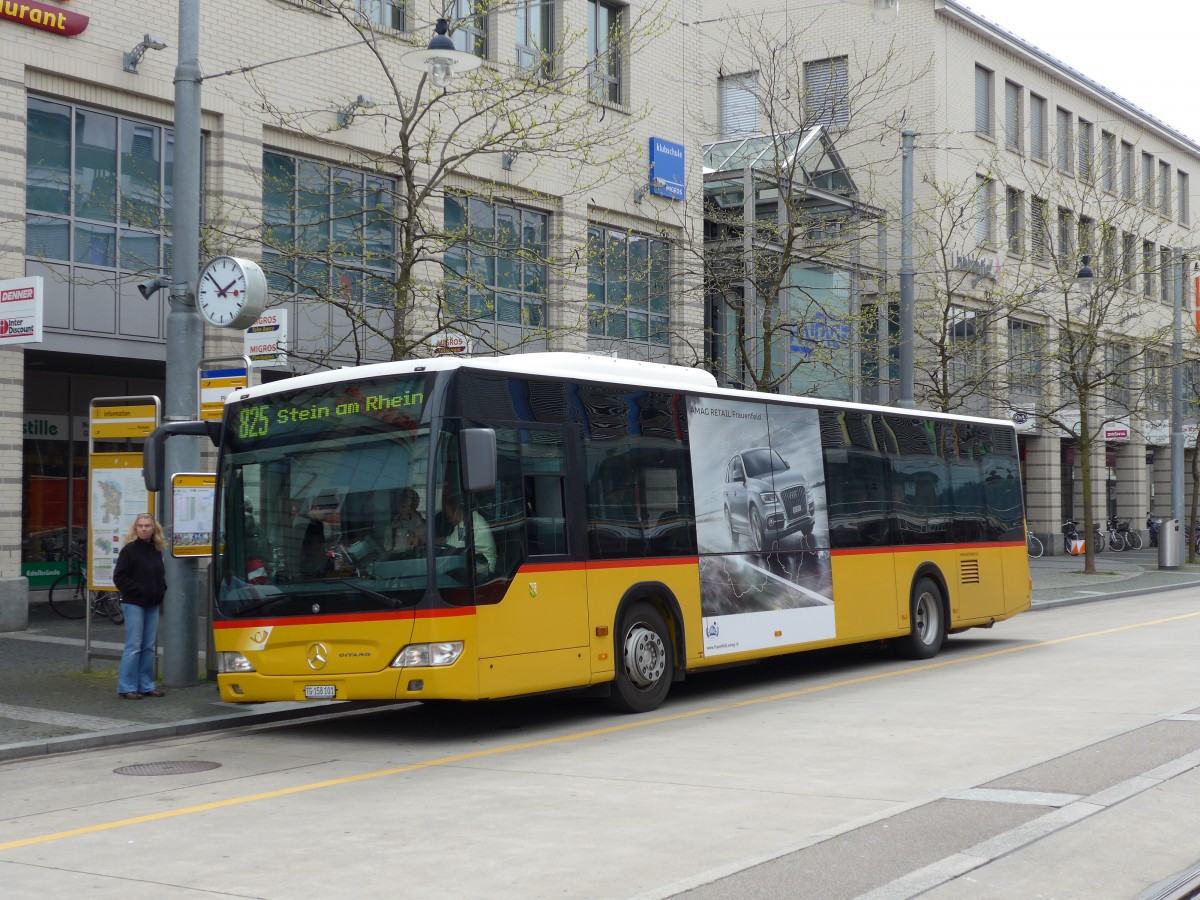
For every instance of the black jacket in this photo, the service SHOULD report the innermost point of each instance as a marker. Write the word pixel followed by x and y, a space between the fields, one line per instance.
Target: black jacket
pixel 140 575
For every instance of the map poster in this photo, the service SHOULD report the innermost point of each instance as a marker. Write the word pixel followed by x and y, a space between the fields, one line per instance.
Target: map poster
pixel 193 499
pixel 117 495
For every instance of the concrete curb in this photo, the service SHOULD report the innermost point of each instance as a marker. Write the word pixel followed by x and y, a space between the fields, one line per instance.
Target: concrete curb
pixel 136 734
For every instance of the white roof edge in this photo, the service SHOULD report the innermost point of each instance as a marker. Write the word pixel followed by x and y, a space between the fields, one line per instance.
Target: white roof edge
pixel 1023 48
pixel 583 367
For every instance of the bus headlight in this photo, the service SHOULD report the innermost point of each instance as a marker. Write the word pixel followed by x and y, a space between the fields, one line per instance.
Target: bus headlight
pixel 228 662
pixel 442 653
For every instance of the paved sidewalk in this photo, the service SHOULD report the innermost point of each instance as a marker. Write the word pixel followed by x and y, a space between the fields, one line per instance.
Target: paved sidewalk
pixel 53 703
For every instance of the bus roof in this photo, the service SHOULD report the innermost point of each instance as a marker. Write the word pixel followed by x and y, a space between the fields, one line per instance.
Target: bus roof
pixel 577 367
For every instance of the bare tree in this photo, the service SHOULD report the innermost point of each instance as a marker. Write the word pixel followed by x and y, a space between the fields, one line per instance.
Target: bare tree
pixel 788 238
pixel 396 255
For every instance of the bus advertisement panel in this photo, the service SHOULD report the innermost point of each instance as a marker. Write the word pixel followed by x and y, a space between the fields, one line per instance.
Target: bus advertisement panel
pixel 763 536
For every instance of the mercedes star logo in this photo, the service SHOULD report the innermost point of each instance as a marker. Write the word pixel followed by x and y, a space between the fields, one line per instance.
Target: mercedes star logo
pixel 318 655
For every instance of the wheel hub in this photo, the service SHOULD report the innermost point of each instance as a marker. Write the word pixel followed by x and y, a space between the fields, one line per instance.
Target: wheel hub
pixel 645 656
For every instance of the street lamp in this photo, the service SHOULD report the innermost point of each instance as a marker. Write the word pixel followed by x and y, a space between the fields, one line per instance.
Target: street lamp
pixel 1085 278
pixel 441 60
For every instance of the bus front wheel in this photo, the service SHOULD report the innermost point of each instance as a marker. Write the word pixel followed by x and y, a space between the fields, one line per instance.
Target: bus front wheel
pixel 928 620
pixel 645 660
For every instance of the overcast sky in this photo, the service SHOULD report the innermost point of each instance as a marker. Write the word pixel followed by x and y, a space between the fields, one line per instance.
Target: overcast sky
pixel 1146 50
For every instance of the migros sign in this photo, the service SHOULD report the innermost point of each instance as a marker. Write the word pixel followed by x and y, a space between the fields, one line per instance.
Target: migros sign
pixel 43 17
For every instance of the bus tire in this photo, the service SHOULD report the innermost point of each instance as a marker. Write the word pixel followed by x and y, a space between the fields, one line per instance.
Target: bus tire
pixel 927 615
pixel 645 660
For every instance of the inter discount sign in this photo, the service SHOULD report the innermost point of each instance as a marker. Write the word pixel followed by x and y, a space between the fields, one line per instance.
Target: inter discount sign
pixel 20 311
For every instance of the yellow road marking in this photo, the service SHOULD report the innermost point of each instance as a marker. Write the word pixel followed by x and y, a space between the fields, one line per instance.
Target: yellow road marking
pixel 640 722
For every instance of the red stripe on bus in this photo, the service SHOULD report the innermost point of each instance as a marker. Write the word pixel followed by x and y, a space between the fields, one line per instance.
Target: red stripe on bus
pixel 923 548
pixel 348 617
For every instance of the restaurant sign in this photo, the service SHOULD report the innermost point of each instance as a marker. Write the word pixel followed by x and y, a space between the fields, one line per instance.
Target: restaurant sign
pixel 43 17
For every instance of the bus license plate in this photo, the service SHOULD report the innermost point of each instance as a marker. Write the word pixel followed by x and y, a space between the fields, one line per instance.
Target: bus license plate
pixel 320 691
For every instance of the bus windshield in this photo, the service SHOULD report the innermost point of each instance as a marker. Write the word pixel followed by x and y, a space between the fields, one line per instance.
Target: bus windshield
pixel 322 506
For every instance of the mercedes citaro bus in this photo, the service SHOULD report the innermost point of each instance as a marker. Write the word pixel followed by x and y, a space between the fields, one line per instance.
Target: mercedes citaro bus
pixel 585 521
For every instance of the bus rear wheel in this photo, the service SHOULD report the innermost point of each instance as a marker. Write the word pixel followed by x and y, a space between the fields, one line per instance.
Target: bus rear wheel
pixel 928 619
pixel 645 660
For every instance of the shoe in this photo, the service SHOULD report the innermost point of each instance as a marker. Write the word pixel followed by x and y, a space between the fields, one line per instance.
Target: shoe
pixel 154 693
pixel 130 695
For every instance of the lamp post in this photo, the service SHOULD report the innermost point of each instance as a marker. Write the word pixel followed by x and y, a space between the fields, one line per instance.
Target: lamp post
pixel 1176 401
pixel 185 340
pixel 907 287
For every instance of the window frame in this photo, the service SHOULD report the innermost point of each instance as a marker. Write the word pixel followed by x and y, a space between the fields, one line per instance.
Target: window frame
pixel 985 101
pixel 535 55
pixel 1038 125
pixel 606 62
pixel 827 91
pixel 607 307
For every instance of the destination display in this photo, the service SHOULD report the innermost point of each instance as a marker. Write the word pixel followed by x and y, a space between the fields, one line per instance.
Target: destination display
pixel 328 411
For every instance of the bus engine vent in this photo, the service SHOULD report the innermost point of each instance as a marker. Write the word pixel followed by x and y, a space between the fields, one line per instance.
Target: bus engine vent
pixel 968 570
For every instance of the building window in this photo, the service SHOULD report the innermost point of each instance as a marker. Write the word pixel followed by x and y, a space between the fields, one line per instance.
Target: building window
pixel 1164 189
pixel 1158 384
pixel 1117 360
pixel 1037 127
pixel 983 211
pixel 827 91
pixel 1184 200
pixel 983 101
pixel 1108 160
pixel 1148 266
pixel 1013 116
pixel 534 35
pixel 1014 202
pixel 1126 170
pixel 628 286
pixel 1086 236
pixel 1148 181
pixel 739 105
pixel 604 51
pixel 496 269
pixel 1066 238
pixel 388 13
pixel 1024 362
pixel 469 20
pixel 966 340
pixel 97 191
pixel 1128 260
pixel 1164 275
pixel 1086 150
pixel 1108 252
pixel 1037 228
pixel 328 232
pixel 1066 144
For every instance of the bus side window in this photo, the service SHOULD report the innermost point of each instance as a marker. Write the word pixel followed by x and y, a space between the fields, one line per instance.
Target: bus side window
pixel 545 512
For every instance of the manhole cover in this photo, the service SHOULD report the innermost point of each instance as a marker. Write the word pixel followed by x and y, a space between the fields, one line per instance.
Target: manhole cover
pixel 185 767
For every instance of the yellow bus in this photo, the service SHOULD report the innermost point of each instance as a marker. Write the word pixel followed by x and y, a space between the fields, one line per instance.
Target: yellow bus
pixel 462 529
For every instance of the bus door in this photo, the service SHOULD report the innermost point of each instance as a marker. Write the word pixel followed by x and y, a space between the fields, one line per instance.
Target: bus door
pixel 532 638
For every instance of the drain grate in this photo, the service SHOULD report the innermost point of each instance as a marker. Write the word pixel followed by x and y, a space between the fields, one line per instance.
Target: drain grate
pixel 185 767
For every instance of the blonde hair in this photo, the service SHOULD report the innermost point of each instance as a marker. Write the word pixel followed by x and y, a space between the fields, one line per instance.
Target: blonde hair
pixel 160 541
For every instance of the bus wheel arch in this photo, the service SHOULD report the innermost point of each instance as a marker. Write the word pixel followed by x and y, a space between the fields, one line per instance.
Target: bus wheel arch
pixel 647 649
pixel 929 615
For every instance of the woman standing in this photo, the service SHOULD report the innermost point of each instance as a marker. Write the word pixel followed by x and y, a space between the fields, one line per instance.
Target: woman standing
pixel 141 578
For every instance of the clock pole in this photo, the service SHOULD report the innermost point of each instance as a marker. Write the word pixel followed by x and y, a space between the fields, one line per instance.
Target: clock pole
pixel 185 340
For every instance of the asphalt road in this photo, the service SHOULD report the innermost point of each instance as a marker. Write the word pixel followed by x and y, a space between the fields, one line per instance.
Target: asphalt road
pixel 1051 756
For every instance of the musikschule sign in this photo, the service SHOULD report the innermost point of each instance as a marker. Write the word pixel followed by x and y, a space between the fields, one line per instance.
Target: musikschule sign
pixel 43 17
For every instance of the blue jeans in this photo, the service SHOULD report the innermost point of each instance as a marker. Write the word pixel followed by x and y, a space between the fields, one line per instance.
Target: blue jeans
pixel 136 672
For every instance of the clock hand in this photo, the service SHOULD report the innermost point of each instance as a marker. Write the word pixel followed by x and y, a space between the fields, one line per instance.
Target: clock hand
pixel 225 290
pixel 209 276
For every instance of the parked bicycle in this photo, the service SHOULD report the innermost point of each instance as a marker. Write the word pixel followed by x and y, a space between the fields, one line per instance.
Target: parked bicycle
pixel 1130 539
pixel 1033 545
pixel 71 598
pixel 1070 531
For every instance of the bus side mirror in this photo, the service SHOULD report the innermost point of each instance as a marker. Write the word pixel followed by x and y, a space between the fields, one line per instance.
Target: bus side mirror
pixel 478 448
pixel 153 459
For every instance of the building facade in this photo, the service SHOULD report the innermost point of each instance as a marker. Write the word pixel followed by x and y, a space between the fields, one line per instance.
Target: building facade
pixel 543 201
pixel 1026 171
